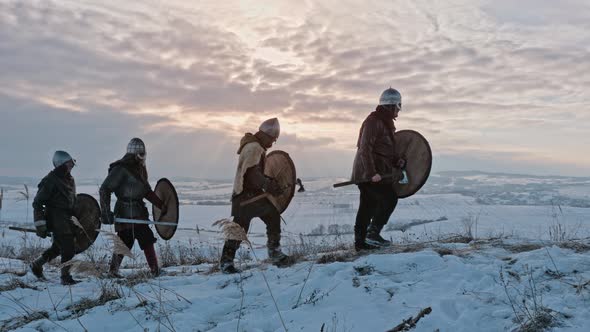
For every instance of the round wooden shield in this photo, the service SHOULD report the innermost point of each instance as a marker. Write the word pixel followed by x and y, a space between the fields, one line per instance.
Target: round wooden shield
pixel 167 193
pixel 279 165
pixel 87 211
pixel 415 148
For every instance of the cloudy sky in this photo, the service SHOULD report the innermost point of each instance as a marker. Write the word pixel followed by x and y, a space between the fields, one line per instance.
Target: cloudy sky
pixel 494 85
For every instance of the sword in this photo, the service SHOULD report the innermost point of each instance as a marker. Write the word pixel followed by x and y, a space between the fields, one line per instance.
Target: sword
pixel 118 220
pixel 22 229
pixel 16 228
pixel 144 222
pixel 404 180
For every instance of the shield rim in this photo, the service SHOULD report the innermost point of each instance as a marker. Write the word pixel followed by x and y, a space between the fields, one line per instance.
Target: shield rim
pixel 292 164
pixel 177 208
pixel 429 166
pixel 77 249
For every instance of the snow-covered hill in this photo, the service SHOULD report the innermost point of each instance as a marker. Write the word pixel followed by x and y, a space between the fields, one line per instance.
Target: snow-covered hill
pixel 487 286
pixel 531 240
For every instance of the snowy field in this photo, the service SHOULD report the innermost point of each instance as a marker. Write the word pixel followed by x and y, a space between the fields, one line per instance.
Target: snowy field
pixel 528 262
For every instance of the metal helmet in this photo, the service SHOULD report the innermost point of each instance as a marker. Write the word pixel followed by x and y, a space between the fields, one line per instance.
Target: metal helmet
pixel 391 97
pixel 271 127
pixel 61 157
pixel 136 147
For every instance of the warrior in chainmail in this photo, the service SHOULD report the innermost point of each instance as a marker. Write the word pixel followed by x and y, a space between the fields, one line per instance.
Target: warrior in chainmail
pixel 250 182
pixel 53 212
pixel 128 179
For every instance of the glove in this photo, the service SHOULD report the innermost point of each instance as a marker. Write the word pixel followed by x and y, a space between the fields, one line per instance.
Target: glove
pixel 107 218
pixel 41 228
pixel 272 187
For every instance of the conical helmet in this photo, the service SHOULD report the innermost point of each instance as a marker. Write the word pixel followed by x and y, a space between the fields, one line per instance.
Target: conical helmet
pixel 271 127
pixel 61 157
pixel 136 147
pixel 391 97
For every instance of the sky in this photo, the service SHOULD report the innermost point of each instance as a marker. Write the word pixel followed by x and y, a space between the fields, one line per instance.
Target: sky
pixel 494 85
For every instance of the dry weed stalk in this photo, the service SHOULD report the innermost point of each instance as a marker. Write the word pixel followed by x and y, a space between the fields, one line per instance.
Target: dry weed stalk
pixel 119 247
pixel 1 198
pixel 26 196
pixel 82 267
pixel 233 231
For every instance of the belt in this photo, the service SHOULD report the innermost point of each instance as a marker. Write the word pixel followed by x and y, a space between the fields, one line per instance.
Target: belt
pixel 130 202
pixel 384 155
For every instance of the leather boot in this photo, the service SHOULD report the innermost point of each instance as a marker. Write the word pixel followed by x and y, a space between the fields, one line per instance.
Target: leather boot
pixel 226 262
pixel 374 238
pixel 66 277
pixel 360 243
pixel 37 267
pixel 152 259
pixel 277 257
pixel 114 266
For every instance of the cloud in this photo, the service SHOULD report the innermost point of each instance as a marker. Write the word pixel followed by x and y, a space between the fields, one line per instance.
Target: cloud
pixel 474 75
pixel 31 132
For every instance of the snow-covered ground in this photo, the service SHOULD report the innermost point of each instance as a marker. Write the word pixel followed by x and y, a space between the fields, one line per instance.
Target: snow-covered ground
pixel 469 287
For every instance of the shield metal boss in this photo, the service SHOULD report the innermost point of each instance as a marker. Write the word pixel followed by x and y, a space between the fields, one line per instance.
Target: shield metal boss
pixel 167 193
pixel 87 211
pixel 279 165
pixel 416 150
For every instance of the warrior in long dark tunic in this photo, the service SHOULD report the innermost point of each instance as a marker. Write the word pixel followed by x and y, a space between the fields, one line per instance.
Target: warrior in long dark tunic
pixel 128 179
pixel 53 208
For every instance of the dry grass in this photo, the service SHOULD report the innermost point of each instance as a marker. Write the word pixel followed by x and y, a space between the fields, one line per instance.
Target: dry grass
pixel 336 257
pixel 15 283
pixel 469 224
pixel 83 267
pixel 17 272
pixel 457 239
pixel 180 254
pixel 235 232
pixel 136 278
pixel 522 247
pixel 26 250
pixel 526 301
pixel 576 246
pixel 305 247
pixel 109 291
pixel 100 256
pixel 232 231
pixel 444 251
pixel 118 246
pixel 18 322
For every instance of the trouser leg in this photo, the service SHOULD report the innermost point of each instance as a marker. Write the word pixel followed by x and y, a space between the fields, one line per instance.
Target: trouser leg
pixel 365 213
pixel 151 258
pixel 386 202
pixel 146 239
pixel 66 246
pixel 49 254
pixel 116 259
pixel 273 233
